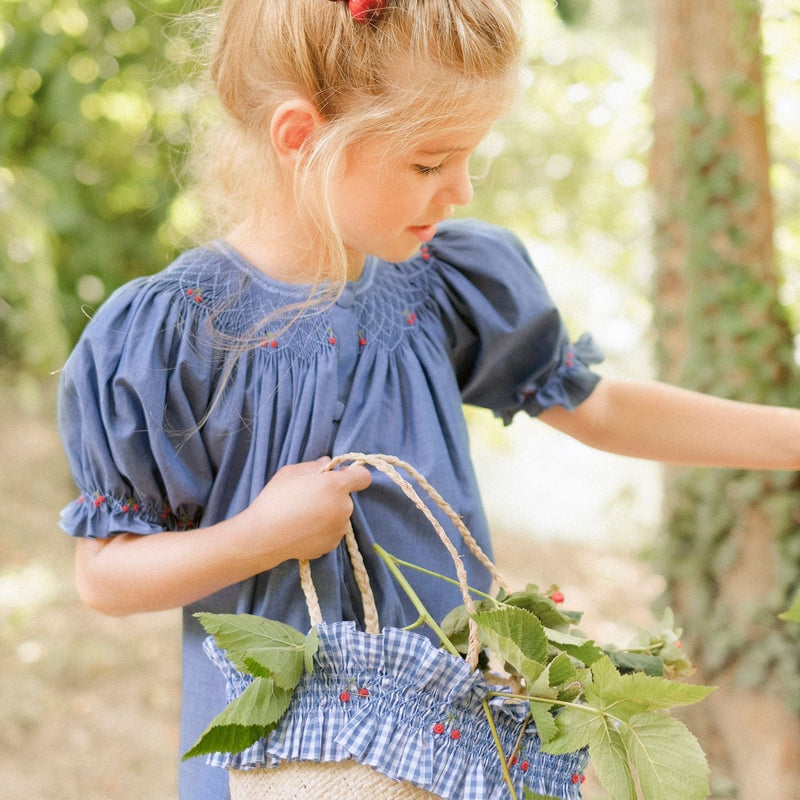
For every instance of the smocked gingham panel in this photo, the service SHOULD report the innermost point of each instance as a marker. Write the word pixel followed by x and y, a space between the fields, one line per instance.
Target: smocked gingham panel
pixel 420 719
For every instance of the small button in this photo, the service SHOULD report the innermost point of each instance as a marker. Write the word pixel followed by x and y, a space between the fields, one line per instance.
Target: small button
pixel 338 410
pixel 347 298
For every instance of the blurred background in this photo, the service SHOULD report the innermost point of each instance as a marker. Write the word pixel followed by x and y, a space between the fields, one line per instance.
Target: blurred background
pixel 653 167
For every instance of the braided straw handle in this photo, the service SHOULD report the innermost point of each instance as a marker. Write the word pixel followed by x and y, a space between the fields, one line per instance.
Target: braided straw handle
pixel 388 465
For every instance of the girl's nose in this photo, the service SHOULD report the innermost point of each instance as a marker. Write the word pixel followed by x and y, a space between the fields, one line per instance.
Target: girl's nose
pixel 458 191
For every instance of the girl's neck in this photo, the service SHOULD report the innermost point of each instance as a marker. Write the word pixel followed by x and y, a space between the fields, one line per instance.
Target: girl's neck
pixel 281 246
pixel 282 258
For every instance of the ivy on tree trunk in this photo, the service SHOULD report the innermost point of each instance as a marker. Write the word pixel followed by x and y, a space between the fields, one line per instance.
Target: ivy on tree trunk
pixel 732 543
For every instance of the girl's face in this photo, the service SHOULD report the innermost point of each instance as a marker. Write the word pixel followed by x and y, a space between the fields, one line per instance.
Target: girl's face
pixel 389 202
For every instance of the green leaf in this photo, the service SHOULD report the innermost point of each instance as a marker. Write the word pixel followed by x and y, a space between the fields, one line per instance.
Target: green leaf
pixel 531 795
pixel 610 760
pixel 636 662
pixel 541 606
pixel 244 721
pixel 261 647
pixel 666 757
pixel 585 650
pixel 543 687
pixel 562 670
pixel 793 614
pixel 545 723
pixel 580 727
pixel 577 725
pixel 455 625
pixel 517 637
pixel 626 695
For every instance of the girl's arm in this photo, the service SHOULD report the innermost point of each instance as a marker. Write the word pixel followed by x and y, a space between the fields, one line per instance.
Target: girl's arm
pixel 302 513
pixel 664 423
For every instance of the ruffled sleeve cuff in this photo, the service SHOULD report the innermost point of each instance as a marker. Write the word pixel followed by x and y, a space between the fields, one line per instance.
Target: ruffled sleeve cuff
pixel 568 385
pixel 98 515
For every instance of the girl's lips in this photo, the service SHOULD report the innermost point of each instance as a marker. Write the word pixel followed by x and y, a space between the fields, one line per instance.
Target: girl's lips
pixel 423 232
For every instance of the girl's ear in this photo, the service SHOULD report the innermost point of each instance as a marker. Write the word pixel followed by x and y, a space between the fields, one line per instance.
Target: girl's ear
pixel 292 123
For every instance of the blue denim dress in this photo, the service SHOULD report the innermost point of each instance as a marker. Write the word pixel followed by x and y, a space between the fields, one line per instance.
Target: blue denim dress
pixel 190 388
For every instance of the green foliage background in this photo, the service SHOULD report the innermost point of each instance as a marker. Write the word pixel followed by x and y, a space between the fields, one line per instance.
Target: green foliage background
pixel 95 101
pixel 94 124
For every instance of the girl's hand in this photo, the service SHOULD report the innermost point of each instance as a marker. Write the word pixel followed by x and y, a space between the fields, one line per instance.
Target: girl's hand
pixel 303 512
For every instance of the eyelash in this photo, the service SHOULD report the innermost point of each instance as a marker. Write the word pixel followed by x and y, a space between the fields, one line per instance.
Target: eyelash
pixel 424 170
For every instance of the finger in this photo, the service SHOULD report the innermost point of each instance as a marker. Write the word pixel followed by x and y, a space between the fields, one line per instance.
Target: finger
pixel 355 478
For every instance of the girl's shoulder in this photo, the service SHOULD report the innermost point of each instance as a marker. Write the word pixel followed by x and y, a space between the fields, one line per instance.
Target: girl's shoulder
pixel 470 261
pixel 463 239
pixel 476 252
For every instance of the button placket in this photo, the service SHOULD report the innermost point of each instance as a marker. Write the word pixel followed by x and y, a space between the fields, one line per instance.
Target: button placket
pixel 345 326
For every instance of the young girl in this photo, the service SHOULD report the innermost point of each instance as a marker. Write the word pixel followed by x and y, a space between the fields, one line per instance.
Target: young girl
pixel 340 312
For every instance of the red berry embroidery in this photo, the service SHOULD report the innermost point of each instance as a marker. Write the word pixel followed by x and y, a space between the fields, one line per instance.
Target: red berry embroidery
pixel 438 729
pixel 81 499
pixel 331 337
pixel 512 760
pixel 126 509
pixel 135 506
pixel 361 339
pixel 410 316
pixel 557 597
pixel 524 766
pixel 426 254
pixel 99 500
pixel 345 697
pixel 569 359
pixel 578 778
pixel 455 733
pixel 362 692
pixel 269 343
pixel 196 294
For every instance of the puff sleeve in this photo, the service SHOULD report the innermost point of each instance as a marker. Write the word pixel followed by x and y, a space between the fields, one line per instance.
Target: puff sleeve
pixel 130 398
pixel 510 348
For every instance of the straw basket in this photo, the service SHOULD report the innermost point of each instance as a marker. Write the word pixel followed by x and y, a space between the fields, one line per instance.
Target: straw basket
pixel 385 714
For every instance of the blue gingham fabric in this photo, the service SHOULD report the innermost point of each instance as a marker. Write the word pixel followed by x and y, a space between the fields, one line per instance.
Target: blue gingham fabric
pixel 412 711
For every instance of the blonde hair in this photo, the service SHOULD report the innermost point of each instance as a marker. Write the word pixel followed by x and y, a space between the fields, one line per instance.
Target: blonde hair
pixel 415 68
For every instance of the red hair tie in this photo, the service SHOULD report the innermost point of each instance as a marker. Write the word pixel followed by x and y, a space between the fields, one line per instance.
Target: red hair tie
pixel 364 11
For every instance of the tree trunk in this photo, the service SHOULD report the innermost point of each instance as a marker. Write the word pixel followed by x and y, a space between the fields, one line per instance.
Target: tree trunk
pixel 732 543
